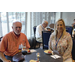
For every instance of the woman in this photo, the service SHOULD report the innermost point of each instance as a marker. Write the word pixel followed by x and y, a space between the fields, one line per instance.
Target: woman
pixel 61 41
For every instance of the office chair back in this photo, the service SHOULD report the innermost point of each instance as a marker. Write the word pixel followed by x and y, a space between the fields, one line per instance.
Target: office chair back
pixel 69 29
pixel 73 50
pixel 34 29
pixel 1 38
pixel 45 38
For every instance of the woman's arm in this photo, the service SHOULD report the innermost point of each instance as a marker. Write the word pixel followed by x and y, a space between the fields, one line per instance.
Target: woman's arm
pixel 67 53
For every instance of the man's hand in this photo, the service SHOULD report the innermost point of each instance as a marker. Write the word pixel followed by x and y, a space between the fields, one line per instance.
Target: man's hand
pixel 2 57
pixel 7 60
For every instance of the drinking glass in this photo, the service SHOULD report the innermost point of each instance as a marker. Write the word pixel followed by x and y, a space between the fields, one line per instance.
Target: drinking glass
pixel 24 52
pixel 37 56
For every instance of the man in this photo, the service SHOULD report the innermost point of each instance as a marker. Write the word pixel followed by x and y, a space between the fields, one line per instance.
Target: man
pixel 73 31
pixel 73 25
pixel 10 43
pixel 39 29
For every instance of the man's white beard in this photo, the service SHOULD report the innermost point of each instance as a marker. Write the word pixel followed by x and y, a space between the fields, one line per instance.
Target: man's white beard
pixel 17 33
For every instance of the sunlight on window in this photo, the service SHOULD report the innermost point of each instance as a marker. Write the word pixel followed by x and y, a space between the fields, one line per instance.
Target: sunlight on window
pixel 4 22
pixel 28 21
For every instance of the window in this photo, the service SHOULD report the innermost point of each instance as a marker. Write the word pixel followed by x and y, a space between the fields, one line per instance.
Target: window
pixel 28 20
pixel 4 23
pixel 38 17
pixel 19 16
pixel 7 18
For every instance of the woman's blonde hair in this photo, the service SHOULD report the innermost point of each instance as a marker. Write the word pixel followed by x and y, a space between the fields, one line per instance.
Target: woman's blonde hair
pixel 55 28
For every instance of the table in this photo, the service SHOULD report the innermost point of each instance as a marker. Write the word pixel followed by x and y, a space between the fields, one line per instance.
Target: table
pixel 43 57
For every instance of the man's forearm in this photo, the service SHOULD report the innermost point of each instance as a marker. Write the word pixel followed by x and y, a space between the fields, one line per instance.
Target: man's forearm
pixel 2 57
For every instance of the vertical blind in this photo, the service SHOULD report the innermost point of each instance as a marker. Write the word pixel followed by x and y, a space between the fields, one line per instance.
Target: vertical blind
pixel 35 18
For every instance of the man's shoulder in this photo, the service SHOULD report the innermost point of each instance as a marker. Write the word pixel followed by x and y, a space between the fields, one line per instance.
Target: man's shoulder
pixel 8 34
pixel 22 34
pixel 39 25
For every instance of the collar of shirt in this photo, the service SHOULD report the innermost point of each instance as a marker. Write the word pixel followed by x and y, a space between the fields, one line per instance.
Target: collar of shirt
pixel 15 35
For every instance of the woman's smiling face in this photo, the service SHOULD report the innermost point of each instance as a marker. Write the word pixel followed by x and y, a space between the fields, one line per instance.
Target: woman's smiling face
pixel 60 26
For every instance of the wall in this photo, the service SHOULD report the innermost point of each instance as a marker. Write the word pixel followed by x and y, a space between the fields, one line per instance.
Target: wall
pixel 57 16
pixel 0 26
pixel 68 17
pixel 28 25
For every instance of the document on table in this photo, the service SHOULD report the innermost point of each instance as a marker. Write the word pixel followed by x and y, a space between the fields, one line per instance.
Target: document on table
pixel 32 50
pixel 55 56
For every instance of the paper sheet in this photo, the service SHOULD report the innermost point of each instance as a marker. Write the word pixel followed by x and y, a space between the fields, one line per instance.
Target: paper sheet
pixel 32 50
pixel 55 56
pixel 32 61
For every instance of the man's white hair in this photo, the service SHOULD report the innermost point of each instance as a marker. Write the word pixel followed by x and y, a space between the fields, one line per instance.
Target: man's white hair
pixel 44 21
pixel 14 21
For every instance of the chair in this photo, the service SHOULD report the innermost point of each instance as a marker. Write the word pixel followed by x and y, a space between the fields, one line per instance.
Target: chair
pixel 45 38
pixel 73 50
pixel 1 38
pixel 69 29
pixel 0 41
pixel 35 41
pixel 34 29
